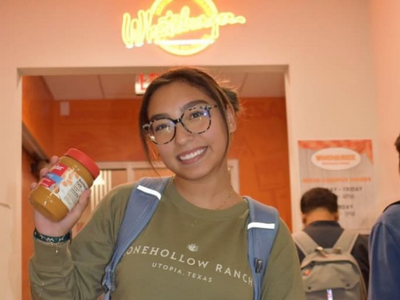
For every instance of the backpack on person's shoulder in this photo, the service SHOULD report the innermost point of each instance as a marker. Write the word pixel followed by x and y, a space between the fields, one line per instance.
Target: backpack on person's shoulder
pixel 331 273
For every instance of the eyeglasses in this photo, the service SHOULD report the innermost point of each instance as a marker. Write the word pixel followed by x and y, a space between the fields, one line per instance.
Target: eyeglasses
pixel 196 119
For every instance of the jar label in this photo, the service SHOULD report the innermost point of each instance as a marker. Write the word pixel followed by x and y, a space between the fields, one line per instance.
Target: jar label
pixel 64 183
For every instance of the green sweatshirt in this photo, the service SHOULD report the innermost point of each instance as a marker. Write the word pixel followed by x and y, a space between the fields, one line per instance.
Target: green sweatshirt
pixel 185 253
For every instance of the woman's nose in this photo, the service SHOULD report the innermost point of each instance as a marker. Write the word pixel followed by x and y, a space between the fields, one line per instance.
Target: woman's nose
pixel 182 136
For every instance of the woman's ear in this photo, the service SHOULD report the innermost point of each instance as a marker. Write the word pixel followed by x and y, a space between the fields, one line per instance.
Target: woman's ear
pixel 336 216
pixel 304 219
pixel 231 118
pixel 153 151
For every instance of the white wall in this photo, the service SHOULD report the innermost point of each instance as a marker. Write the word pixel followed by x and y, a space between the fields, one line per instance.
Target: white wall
pixel 386 45
pixel 326 45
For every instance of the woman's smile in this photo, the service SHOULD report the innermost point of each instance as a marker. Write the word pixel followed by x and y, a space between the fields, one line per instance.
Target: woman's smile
pixel 192 156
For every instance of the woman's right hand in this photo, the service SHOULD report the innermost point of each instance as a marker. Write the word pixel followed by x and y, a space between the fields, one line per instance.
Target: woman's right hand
pixel 55 229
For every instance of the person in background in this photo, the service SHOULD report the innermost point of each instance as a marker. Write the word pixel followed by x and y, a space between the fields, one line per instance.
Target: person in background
pixel 320 216
pixel 385 251
pixel 187 119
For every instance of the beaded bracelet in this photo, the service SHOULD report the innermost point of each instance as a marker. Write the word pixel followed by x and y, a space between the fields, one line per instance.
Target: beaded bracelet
pixel 52 239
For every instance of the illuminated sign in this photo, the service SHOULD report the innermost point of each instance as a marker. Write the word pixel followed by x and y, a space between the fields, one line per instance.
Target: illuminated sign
pixel 180 30
pixel 143 81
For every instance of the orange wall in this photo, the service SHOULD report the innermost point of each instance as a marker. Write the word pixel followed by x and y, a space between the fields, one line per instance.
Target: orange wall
pixel 27 224
pixel 37 111
pixel 104 129
pixel 37 115
pixel 107 131
pixel 261 145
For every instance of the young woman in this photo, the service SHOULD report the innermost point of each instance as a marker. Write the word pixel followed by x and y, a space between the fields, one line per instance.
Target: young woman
pixel 195 246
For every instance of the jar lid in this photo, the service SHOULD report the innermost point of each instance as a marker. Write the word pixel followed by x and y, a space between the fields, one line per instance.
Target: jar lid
pixel 85 160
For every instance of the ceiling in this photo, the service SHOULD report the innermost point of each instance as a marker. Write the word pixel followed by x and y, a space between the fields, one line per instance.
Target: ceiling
pixel 248 83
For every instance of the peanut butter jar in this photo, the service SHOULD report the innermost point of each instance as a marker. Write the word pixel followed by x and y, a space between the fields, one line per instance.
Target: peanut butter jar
pixel 59 190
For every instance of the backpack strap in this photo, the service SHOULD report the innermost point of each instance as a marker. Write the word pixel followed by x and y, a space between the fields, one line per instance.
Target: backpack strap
pixel 346 240
pixel 305 242
pixel 346 243
pixel 262 227
pixel 141 206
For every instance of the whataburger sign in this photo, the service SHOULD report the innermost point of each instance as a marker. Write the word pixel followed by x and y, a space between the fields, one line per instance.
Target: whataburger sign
pixel 177 30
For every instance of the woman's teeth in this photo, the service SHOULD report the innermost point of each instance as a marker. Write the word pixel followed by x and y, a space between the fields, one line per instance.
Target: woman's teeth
pixel 192 154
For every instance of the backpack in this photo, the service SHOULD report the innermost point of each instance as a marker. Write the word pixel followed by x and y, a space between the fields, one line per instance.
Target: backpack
pixel 331 273
pixel 262 228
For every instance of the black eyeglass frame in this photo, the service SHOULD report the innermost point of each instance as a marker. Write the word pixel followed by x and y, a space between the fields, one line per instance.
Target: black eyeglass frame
pixel 146 127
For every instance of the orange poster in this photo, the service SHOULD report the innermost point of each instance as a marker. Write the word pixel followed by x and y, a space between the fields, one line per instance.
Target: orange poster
pixel 346 168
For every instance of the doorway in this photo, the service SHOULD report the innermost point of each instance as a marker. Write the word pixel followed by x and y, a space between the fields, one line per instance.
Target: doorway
pixel 96 111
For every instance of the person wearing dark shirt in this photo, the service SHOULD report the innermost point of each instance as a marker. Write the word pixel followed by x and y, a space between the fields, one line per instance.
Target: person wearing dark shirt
pixel 320 216
pixel 385 252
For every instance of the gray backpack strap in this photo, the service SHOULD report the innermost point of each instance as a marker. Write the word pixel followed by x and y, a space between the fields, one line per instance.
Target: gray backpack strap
pixel 305 243
pixel 346 243
pixel 141 206
pixel 346 240
pixel 262 228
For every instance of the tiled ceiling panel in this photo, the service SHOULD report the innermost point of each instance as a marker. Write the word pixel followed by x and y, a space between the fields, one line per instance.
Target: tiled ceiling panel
pixel 263 84
pixel 121 86
pixel 233 80
pixel 75 87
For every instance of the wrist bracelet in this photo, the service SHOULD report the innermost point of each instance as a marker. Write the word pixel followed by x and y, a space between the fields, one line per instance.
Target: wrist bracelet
pixel 52 239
